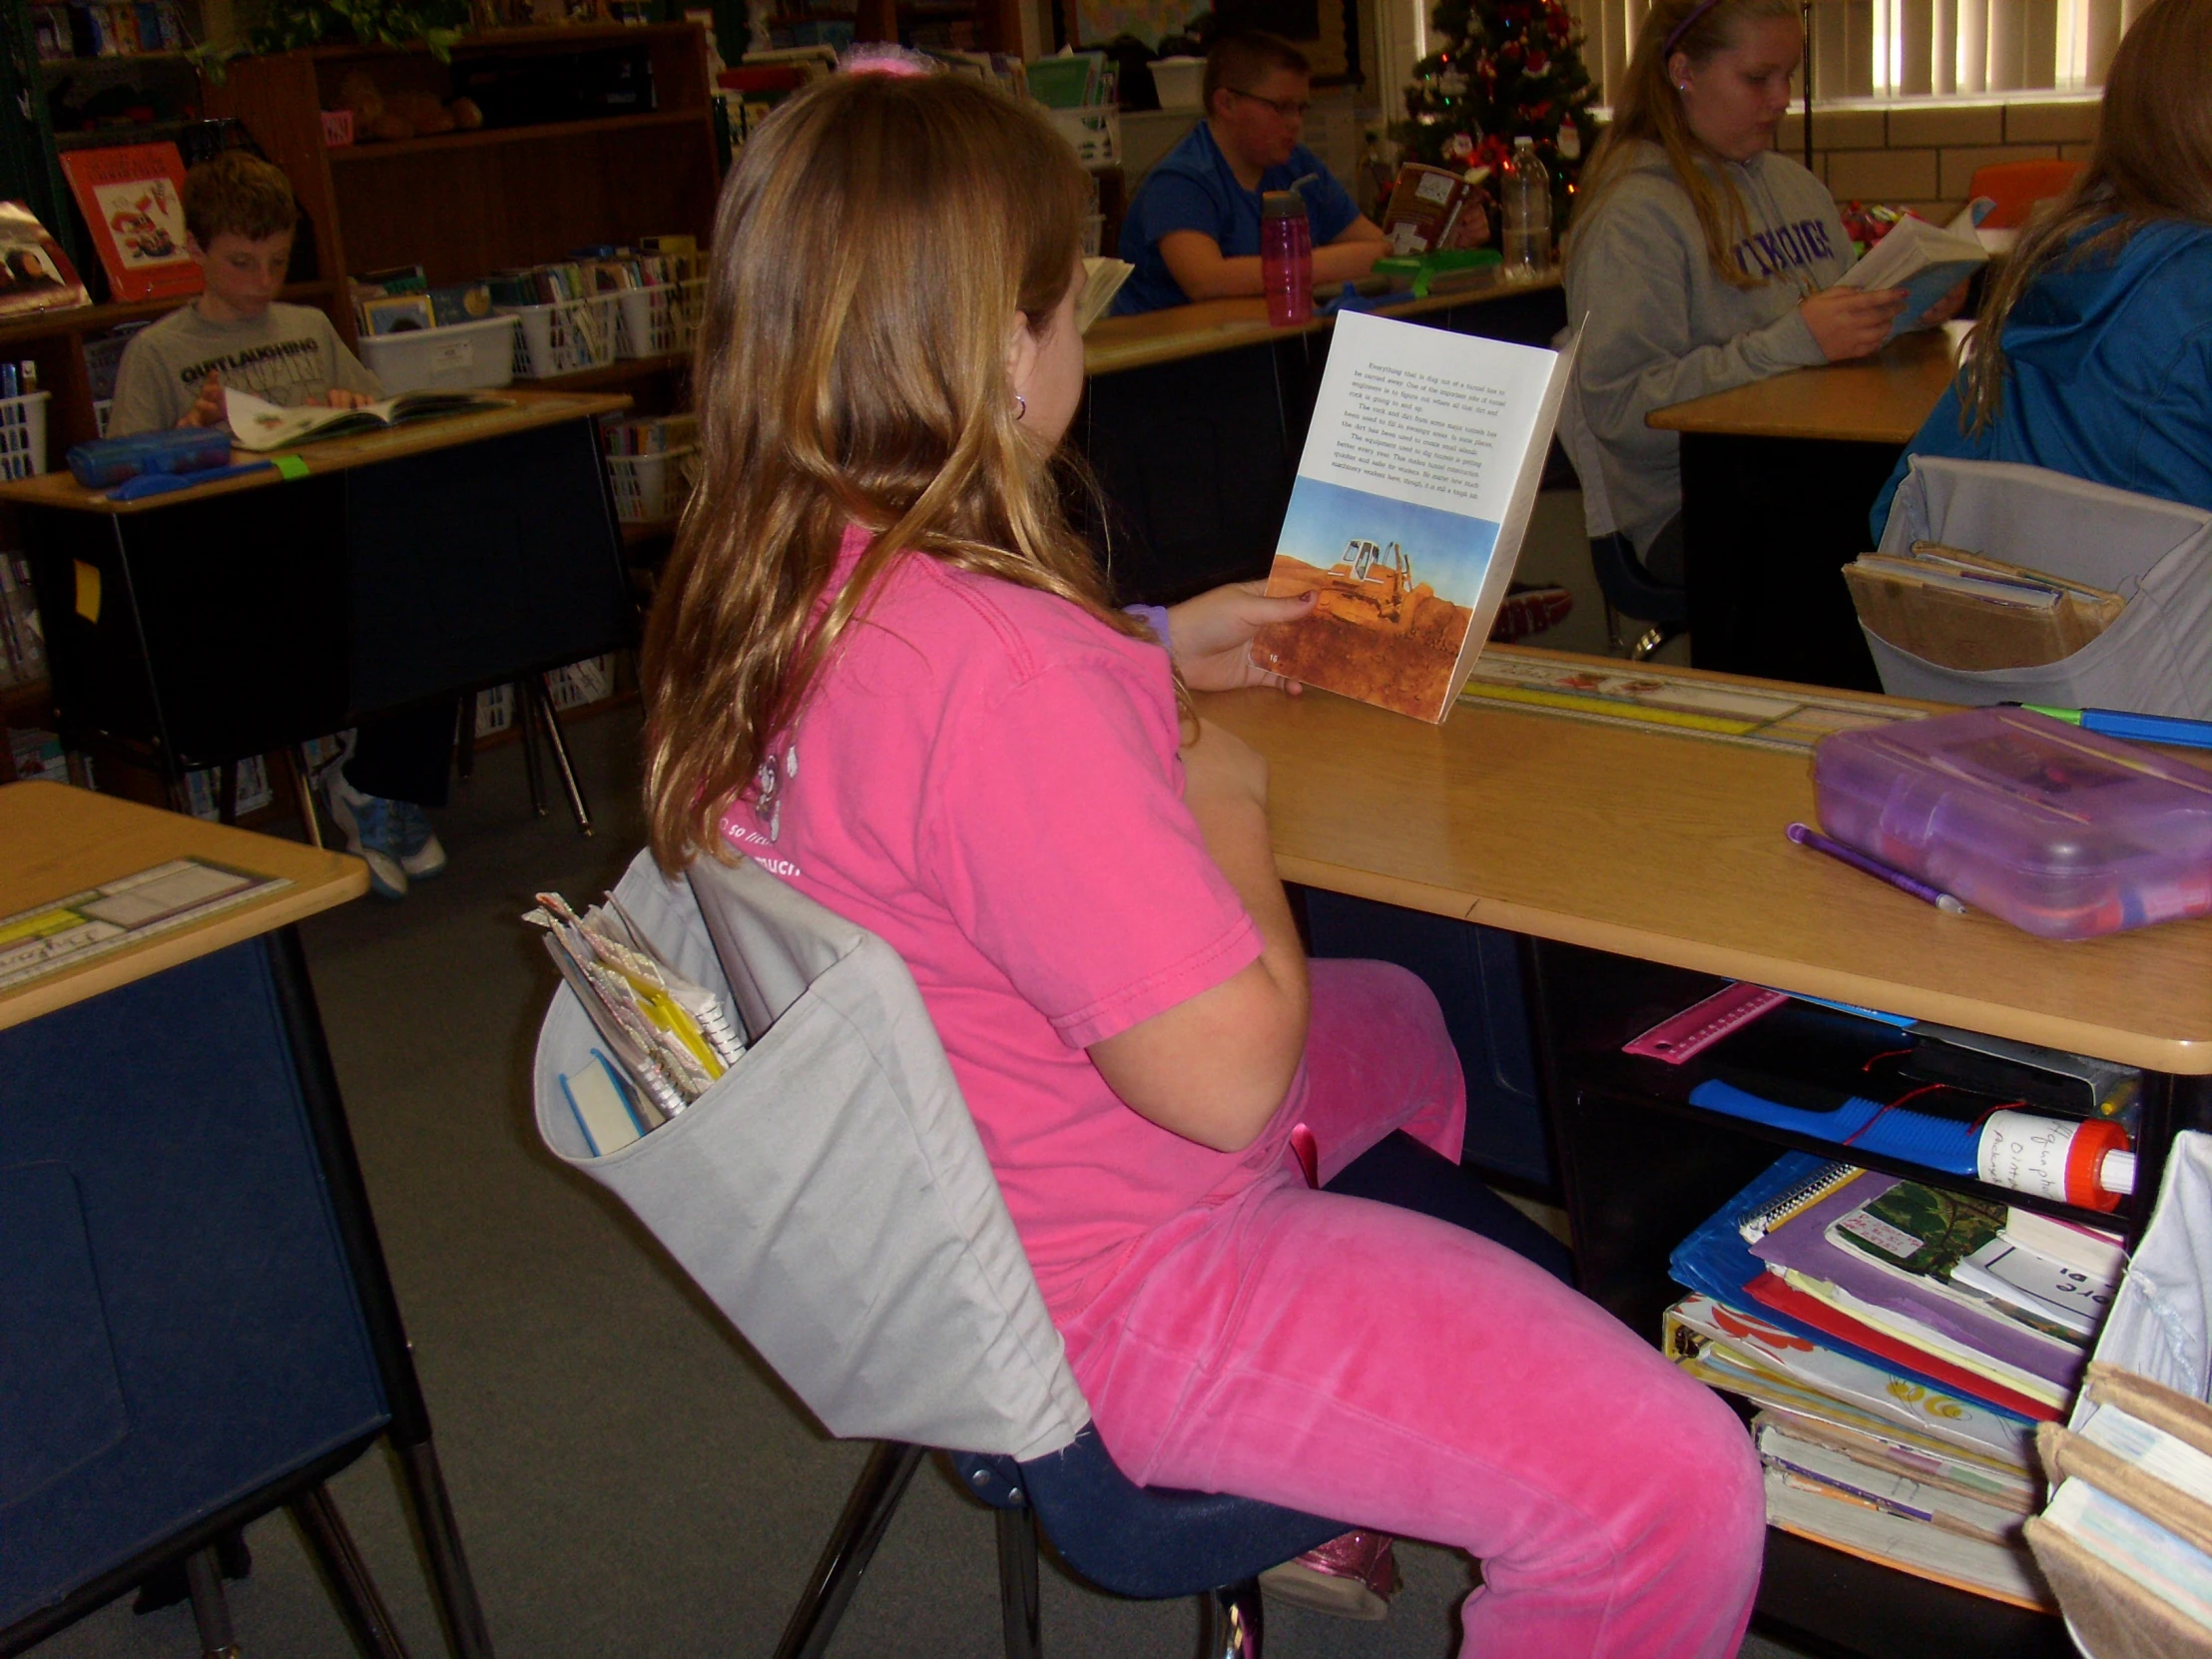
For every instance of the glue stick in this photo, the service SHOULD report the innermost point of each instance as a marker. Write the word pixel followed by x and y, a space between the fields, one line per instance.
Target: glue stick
pixel 2086 1164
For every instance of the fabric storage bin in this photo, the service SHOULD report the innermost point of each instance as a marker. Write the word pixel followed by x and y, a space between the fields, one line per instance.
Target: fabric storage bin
pixel 649 488
pixel 661 321
pixel 23 435
pixel 828 1193
pixel 564 335
pixel 461 356
pixel 2156 659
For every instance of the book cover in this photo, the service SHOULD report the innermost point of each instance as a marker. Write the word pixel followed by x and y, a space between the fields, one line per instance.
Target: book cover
pixel 35 275
pixel 1412 494
pixel 1916 1335
pixel 1917 258
pixel 131 198
pixel 1809 1244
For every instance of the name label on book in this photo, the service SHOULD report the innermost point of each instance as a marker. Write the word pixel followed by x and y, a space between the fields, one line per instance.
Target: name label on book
pixel 1891 1240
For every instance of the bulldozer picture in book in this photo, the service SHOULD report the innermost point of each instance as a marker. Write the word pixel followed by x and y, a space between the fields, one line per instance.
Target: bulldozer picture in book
pixel 1391 609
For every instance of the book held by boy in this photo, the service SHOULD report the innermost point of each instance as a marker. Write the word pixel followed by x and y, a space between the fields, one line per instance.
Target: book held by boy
pixel 1420 470
pixel 259 426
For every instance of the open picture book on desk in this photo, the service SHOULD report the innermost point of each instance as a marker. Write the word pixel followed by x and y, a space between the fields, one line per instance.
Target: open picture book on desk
pixel 261 425
pixel 1420 470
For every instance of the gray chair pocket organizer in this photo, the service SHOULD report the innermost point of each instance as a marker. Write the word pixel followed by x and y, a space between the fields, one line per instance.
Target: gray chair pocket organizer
pixel 2155 659
pixel 828 1193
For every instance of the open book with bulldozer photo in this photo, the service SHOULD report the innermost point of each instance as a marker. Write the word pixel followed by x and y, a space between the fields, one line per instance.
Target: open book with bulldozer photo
pixel 1419 471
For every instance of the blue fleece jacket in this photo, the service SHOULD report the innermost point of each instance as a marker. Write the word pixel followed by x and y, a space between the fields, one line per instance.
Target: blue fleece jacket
pixel 2109 374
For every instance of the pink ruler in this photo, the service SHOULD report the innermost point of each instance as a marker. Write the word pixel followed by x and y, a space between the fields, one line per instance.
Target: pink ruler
pixel 1697 1028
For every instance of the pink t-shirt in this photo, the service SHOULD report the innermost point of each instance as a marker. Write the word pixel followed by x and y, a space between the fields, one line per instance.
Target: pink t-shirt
pixel 989 780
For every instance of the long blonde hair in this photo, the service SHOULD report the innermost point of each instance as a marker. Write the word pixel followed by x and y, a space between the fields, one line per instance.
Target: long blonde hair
pixel 2152 162
pixel 871 250
pixel 1650 109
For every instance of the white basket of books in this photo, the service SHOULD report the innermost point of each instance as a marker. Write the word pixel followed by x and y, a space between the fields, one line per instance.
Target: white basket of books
pixel 23 434
pixel 662 321
pixel 461 356
pixel 1094 129
pixel 564 335
pixel 650 489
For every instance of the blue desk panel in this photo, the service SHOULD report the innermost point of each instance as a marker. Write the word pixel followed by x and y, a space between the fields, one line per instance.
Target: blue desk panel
pixel 179 1327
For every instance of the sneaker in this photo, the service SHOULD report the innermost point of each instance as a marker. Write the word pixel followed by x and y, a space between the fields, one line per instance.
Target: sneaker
pixel 421 856
pixel 370 825
pixel 1529 611
pixel 1354 1578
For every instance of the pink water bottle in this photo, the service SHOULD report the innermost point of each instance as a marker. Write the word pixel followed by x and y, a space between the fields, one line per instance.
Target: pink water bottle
pixel 1286 257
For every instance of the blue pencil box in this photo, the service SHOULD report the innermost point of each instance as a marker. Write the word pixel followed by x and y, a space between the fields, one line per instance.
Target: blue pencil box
pixel 105 462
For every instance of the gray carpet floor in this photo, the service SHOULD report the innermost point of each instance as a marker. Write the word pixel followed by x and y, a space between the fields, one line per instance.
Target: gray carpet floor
pixel 629 1481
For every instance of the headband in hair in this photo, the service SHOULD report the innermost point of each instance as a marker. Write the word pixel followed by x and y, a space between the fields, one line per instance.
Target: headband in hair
pixel 1674 37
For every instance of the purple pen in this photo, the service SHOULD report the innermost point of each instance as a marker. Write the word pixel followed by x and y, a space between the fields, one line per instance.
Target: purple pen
pixel 1806 835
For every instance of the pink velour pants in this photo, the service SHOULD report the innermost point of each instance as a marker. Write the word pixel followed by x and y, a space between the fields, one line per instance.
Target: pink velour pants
pixel 1396 1372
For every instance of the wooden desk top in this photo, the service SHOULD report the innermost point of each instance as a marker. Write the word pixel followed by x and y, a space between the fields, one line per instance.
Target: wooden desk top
pixel 1166 336
pixel 1881 399
pixel 1671 849
pixel 61 840
pixel 525 410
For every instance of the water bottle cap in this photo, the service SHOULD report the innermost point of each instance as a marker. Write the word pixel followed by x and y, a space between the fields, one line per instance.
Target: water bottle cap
pixel 1282 203
pixel 1525 142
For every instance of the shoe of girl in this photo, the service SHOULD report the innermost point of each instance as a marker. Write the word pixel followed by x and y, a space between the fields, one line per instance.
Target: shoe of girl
pixel 1353 1576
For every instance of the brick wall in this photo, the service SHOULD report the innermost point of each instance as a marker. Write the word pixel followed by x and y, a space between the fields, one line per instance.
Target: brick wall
pixel 1921 155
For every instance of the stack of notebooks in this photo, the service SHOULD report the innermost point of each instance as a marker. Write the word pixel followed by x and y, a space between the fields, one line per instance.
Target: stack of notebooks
pixel 1963 610
pixel 666 1040
pixel 1899 1343
pixel 2127 1540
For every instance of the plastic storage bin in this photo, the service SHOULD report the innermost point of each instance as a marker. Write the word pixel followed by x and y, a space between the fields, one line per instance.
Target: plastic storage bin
pixel 1180 82
pixel 659 321
pixel 2059 831
pixel 651 488
pixel 23 434
pixel 564 335
pixel 461 356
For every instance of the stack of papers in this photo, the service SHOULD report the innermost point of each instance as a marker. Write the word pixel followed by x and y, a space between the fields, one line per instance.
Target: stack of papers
pixel 666 1038
pixel 1965 610
pixel 1899 1343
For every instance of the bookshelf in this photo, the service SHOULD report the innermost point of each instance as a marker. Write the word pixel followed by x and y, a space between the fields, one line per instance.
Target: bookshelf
pixel 463 204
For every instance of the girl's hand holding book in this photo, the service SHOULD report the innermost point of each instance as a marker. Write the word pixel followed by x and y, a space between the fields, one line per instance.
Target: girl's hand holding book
pixel 1210 637
pixel 1848 323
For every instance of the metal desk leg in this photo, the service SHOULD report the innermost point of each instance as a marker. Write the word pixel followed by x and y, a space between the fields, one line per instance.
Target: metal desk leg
pixel 355 1590
pixel 410 1430
pixel 525 717
pixel 541 686
pixel 208 1609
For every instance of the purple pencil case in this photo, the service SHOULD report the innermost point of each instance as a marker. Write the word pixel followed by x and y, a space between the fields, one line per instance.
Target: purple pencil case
pixel 2063 833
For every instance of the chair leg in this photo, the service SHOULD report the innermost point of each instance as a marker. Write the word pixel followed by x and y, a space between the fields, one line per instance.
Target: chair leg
pixel 332 1545
pixel 526 734
pixel 867 1513
pixel 1018 1609
pixel 1233 1622
pixel 543 686
pixel 303 791
pixel 209 1612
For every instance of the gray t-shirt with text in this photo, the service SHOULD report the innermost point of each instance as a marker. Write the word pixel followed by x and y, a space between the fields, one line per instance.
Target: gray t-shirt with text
pixel 289 354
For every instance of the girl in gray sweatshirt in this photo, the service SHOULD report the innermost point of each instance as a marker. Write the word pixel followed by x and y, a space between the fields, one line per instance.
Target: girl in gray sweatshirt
pixel 1700 258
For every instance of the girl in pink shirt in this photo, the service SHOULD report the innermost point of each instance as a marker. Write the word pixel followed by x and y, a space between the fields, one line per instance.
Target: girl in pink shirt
pixel 883 667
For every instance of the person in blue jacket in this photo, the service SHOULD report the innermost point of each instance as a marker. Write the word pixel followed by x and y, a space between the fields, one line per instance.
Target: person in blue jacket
pixel 1193 231
pixel 2093 355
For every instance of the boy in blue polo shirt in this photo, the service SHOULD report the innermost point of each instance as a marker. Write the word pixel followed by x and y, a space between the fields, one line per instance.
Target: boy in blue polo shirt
pixel 1193 233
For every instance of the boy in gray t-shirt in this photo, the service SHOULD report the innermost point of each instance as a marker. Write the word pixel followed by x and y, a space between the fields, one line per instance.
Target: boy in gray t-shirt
pixel 240 218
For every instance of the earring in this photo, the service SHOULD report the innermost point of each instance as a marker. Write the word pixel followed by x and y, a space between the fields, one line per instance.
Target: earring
pixel 1021 406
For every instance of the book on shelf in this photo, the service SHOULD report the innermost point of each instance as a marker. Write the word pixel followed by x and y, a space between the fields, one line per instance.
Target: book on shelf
pixel 132 196
pixel 2138 1557
pixel 2042 1290
pixel 259 426
pixel 1857 1473
pixel 1901 1245
pixel 1412 494
pixel 1925 261
pixel 1812 1509
pixel 35 275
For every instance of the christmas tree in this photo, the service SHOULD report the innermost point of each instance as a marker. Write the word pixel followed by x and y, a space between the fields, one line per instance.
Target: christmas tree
pixel 1508 69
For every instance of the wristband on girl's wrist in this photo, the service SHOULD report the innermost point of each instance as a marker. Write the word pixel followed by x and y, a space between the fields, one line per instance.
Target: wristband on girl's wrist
pixel 1156 618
